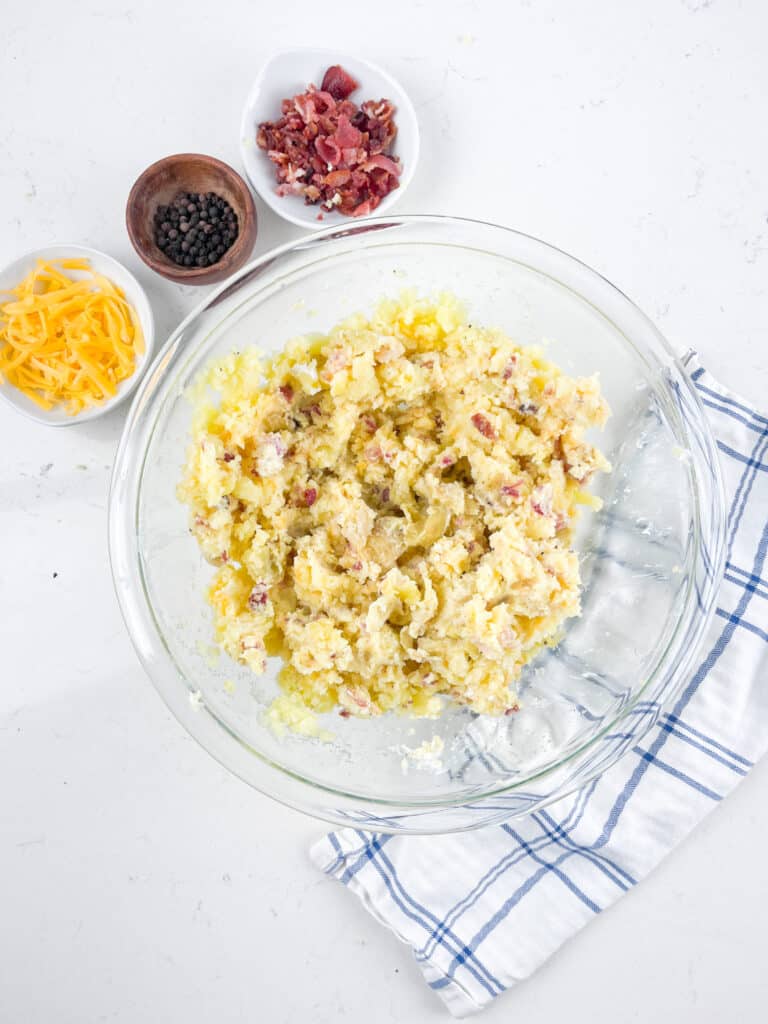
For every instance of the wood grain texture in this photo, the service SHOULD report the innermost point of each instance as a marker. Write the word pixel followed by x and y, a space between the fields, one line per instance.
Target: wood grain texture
pixel 189 172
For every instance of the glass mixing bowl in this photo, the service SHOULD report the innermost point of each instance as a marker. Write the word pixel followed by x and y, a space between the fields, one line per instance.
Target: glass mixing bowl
pixel 651 559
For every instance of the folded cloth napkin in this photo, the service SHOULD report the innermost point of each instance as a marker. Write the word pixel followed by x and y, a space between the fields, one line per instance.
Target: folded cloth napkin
pixel 482 910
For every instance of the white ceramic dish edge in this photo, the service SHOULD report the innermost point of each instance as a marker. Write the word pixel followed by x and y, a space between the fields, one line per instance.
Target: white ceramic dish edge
pixel 104 264
pixel 289 71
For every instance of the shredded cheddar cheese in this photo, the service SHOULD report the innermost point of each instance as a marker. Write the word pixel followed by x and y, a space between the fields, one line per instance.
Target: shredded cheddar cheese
pixel 66 340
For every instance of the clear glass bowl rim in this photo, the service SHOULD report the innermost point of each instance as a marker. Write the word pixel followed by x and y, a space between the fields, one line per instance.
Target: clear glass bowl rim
pixel 125 491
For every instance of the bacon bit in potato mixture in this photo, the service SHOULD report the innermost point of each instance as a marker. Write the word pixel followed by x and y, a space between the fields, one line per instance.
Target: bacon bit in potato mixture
pixel 330 151
pixel 391 509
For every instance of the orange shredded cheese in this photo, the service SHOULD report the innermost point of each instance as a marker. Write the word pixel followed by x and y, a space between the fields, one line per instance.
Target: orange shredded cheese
pixel 68 340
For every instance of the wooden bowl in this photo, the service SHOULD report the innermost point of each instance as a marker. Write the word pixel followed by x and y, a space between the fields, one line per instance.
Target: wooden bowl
pixel 189 172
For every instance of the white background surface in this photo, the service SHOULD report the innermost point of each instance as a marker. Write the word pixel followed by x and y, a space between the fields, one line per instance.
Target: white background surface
pixel 138 880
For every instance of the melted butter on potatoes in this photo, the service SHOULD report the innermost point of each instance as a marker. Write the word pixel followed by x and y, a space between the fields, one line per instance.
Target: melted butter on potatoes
pixel 390 508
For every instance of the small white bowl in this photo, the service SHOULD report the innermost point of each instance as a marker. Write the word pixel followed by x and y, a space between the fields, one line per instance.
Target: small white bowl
pixel 289 73
pixel 13 273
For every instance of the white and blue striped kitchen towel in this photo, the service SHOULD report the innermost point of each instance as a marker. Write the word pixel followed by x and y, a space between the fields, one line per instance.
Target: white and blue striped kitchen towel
pixel 482 910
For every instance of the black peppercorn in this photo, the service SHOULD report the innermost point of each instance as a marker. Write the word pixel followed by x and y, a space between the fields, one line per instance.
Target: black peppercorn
pixel 195 230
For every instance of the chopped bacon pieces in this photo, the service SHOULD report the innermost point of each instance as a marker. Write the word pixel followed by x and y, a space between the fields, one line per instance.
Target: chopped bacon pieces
pixel 310 496
pixel 514 490
pixel 312 412
pixel 510 368
pixel 258 596
pixel 338 82
pixel 287 392
pixel 330 151
pixel 541 500
pixel 483 424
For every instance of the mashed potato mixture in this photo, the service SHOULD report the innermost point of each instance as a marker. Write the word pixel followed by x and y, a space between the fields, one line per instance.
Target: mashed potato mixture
pixel 390 507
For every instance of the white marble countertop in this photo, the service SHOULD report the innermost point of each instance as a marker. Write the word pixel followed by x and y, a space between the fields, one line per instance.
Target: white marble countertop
pixel 138 880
